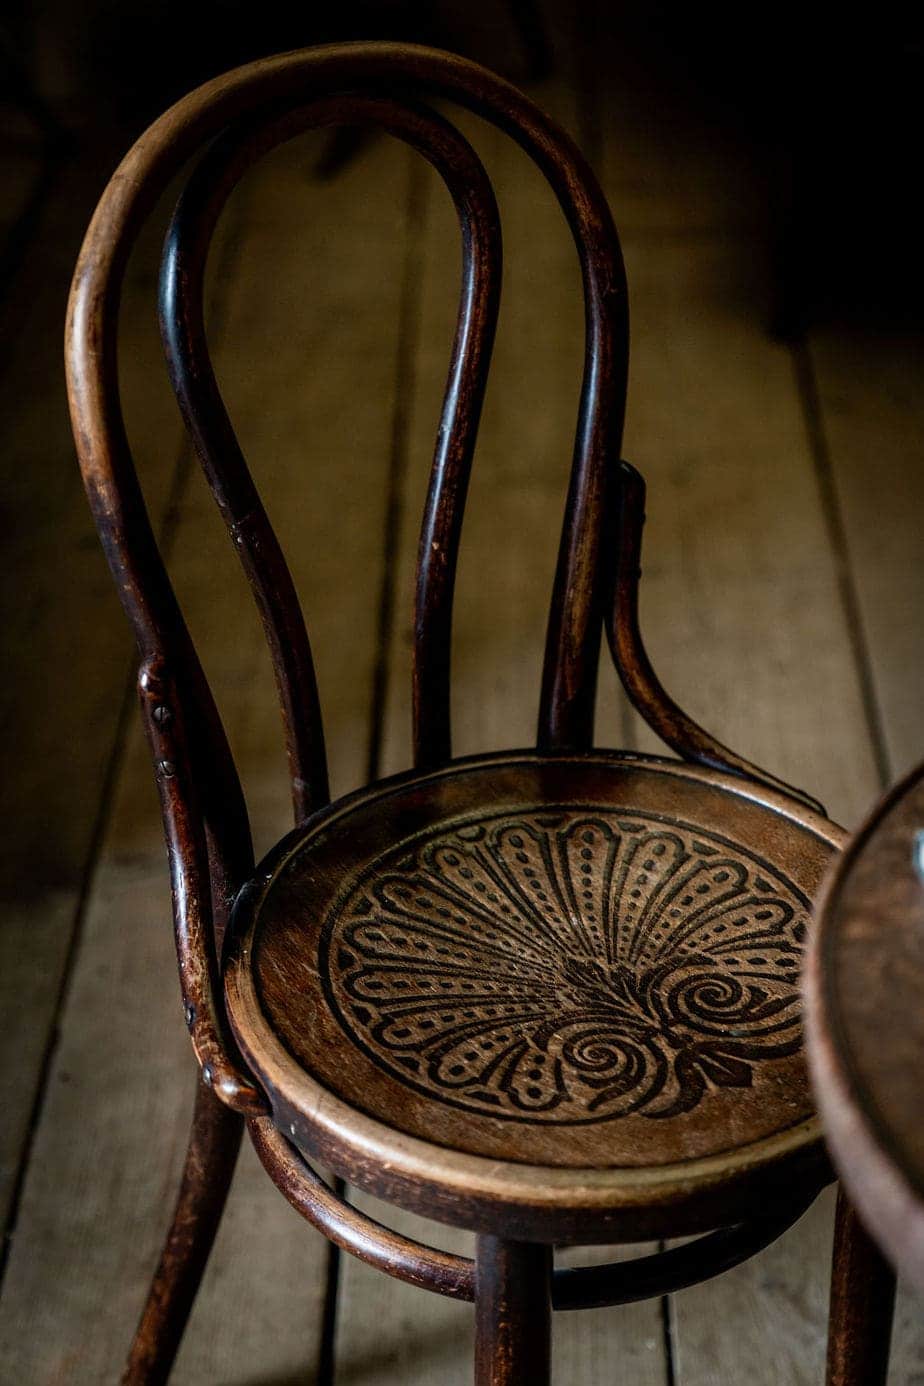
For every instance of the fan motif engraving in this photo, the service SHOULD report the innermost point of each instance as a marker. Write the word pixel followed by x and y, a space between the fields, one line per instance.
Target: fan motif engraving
pixel 569 966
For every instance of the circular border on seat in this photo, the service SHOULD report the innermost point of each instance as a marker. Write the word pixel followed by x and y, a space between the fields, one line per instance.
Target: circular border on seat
pixel 541 1200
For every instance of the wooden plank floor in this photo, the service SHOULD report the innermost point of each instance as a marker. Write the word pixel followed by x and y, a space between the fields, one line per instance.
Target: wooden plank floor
pixel 783 602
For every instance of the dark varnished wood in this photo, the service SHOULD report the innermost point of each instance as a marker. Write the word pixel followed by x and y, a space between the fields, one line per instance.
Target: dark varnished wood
pixel 271 90
pixel 297 79
pixel 669 1059
pixel 862 1301
pixel 513 1319
pixel 214 1142
pixel 865 1009
pixel 578 1287
pixel 198 908
pixel 204 815
pixel 864 987
pixel 353 1231
pixel 183 327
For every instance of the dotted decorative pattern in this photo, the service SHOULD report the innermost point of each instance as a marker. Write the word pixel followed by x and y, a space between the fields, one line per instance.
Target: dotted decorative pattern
pixel 568 965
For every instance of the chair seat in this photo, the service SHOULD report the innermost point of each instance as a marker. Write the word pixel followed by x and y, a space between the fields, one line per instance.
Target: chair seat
pixel 541 995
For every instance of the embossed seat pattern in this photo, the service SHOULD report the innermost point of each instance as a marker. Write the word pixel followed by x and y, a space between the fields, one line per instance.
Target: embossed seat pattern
pixel 587 962
pixel 567 965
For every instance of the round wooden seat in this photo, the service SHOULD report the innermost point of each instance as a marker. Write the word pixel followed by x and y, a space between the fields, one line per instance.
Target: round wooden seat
pixel 559 993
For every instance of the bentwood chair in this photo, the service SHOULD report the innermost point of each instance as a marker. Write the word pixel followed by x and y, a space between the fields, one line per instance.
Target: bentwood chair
pixel 548 995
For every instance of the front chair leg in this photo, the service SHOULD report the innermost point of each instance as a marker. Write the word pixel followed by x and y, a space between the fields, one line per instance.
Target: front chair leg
pixel 862 1300
pixel 214 1142
pixel 513 1313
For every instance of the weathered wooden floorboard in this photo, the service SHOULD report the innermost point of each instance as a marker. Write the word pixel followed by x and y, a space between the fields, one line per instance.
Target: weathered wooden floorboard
pixel 308 313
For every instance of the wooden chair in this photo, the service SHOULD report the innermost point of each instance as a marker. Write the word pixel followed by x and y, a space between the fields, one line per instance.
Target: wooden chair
pixel 549 995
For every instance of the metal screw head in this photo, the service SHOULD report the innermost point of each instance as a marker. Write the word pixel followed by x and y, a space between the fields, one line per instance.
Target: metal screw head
pixel 208 1076
pixel 167 769
pixel 190 1014
pixel 162 715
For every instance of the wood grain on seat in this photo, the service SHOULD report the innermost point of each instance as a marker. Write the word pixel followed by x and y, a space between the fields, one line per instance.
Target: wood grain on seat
pixel 583 964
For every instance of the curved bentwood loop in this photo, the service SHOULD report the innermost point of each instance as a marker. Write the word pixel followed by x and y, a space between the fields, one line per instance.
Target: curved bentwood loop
pixel 246 112
pixel 296 80
pixel 584 1287
pixel 183 328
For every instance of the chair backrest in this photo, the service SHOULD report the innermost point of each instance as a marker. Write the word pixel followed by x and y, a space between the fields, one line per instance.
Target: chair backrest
pixel 252 109
pixel 240 116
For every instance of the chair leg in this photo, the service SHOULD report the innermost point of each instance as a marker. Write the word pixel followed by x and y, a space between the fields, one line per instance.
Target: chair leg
pixel 513 1313
pixel 214 1143
pixel 862 1300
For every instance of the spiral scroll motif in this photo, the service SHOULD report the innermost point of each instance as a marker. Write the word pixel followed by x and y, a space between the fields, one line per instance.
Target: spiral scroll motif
pixel 569 966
